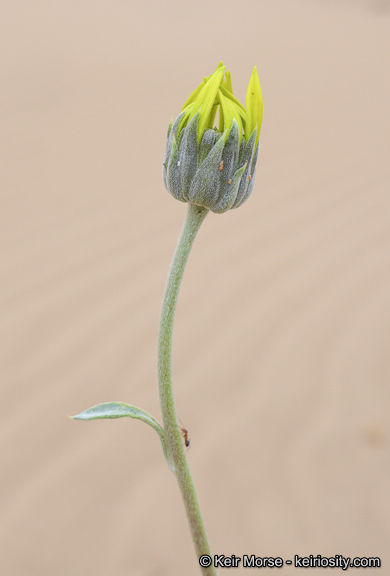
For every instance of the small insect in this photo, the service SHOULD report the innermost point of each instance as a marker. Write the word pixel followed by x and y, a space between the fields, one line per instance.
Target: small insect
pixel 184 433
pixel 221 166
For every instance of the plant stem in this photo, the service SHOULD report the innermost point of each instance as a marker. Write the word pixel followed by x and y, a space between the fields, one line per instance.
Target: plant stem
pixel 193 221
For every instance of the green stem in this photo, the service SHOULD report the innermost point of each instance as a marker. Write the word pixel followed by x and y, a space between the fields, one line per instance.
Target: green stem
pixel 193 221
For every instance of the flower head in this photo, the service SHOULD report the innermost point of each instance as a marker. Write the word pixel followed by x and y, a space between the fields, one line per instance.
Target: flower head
pixel 208 166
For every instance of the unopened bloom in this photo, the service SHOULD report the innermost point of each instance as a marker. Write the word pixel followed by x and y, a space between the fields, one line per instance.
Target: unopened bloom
pixel 208 166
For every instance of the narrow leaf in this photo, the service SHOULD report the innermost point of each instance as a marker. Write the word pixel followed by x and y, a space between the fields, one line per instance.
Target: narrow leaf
pixel 120 410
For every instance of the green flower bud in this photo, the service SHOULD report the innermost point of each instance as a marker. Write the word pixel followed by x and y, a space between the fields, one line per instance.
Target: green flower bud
pixel 208 166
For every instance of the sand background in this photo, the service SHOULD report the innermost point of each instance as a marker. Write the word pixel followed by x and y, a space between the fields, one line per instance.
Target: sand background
pixel 281 345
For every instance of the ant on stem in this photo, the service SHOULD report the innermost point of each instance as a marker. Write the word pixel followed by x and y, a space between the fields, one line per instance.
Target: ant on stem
pixel 184 434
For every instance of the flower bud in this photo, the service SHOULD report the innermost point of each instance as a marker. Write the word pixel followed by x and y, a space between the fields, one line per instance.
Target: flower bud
pixel 208 166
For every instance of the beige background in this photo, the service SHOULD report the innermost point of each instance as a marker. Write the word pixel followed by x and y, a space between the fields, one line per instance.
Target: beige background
pixel 281 345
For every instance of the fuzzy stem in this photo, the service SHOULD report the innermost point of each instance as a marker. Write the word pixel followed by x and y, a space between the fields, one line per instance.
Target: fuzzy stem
pixel 193 221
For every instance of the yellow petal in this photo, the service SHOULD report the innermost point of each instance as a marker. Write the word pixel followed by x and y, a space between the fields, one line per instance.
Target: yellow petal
pixel 254 106
pixel 205 99
pixel 227 83
pixel 229 111
pixel 240 108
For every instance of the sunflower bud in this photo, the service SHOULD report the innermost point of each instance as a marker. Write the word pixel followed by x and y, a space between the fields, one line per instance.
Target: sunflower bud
pixel 208 166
